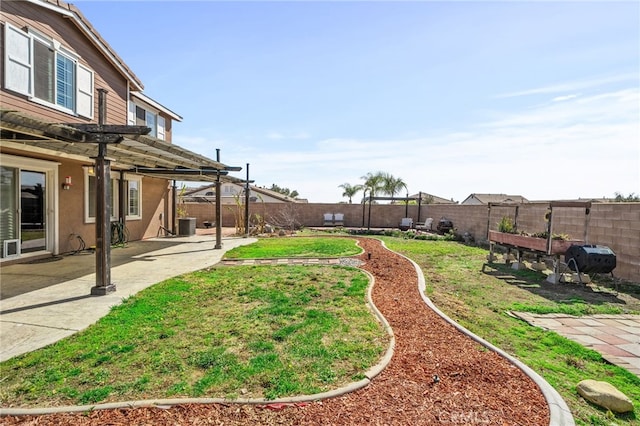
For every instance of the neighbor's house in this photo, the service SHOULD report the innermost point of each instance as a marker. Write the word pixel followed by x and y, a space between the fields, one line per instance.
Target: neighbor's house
pixel 231 192
pixel 493 198
pixel 59 77
pixel 432 199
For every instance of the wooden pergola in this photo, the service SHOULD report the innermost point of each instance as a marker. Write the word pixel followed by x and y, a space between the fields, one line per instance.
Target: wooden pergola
pixel 130 148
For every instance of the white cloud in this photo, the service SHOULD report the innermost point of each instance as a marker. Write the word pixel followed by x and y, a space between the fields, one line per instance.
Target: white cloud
pixel 586 146
pixel 573 85
pixel 564 98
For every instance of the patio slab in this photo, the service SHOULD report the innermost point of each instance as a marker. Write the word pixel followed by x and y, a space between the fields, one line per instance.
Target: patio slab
pixel 51 300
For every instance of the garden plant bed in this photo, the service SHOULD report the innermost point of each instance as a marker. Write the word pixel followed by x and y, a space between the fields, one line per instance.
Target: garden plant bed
pixel 436 376
pixel 531 243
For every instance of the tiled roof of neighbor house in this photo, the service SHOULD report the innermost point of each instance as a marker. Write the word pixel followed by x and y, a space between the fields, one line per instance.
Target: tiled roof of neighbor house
pixel 498 198
pixel 92 34
pixel 434 199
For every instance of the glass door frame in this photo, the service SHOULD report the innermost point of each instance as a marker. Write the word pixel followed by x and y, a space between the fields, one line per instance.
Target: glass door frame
pixel 50 169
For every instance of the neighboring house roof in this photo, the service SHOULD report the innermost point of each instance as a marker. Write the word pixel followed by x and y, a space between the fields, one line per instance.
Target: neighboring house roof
pixel 209 191
pixel 494 198
pixel 433 199
pixel 73 13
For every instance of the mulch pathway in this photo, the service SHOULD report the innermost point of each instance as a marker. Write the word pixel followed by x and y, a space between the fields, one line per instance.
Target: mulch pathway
pixel 437 376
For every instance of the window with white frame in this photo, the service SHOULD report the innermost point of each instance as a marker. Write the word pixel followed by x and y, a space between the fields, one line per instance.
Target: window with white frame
pixel 90 190
pixel 132 199
pixel 229 189
pixel 41 68
pixel 139 116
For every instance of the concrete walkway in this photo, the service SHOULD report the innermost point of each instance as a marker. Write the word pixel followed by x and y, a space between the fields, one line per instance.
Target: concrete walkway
pixel 44 302
pixel 615 337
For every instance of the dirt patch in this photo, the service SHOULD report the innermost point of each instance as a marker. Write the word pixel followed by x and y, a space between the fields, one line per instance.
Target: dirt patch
pixel 436 376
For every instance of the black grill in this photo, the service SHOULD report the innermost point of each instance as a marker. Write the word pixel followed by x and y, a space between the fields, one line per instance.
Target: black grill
pixel 445 225
pixel 590 258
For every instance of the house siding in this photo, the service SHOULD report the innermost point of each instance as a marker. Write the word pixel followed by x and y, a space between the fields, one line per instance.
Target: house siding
pixel 50 23
pixel 156 204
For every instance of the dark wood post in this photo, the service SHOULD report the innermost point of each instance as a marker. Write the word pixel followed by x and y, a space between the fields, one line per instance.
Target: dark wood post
pixel 369 219
pixel 364 205
pixel 103 210
pixel 246 204
pixel 174 209
pixel 218 206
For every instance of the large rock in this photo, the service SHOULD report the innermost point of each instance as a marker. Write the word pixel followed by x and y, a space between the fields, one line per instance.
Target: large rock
pixel 605 395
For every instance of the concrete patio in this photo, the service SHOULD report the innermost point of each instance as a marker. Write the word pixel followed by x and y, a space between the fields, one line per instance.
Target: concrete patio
pixel 46 300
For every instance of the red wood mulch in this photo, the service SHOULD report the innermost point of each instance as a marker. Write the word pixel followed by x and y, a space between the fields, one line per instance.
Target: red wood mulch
pixel 436 376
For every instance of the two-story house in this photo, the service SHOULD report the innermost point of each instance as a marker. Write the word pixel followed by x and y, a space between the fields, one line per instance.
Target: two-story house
pixel 68 103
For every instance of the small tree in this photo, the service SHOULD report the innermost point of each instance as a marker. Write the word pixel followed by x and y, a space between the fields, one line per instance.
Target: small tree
pixel 287 218
pixel 181 210
pixel 238 213
pixel 631 197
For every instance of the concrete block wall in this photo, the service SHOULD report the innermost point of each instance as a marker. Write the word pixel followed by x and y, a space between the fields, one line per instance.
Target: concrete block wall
pixel 615 225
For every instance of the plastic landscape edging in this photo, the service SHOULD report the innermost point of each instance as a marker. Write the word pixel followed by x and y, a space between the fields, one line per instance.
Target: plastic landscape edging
pixel 559 413
pixel 165 403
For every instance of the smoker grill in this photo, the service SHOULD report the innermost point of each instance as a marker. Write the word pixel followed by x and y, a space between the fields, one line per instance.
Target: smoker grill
pixel 445 225
pixel 590 258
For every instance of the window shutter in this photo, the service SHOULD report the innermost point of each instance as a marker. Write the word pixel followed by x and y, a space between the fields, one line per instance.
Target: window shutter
pixel 161 127
pixel 18 60
pixel 84 106
pixel 131 120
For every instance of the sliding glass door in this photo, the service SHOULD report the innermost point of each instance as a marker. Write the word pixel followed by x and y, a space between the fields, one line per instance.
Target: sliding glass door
pixel 27 206
pixel 33 226
pixel 9 239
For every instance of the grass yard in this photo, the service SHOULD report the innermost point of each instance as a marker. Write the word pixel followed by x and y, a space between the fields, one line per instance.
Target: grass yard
pixel 296 247
pixel 248 332
pixel 480 301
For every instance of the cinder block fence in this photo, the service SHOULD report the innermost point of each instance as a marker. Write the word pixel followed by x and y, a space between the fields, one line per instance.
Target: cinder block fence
pixel 615 225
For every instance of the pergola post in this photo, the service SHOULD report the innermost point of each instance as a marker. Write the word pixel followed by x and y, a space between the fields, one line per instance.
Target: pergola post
pixel 103 224
pixel 218 206
pixel 103 209
pixel 364 205
pixel 369 219
pixel 246 204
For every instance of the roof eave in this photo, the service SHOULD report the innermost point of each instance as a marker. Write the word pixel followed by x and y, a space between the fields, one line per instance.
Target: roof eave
pixel 73 13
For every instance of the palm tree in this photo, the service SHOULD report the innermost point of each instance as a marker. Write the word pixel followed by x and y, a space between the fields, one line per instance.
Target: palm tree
pixel 393 185
pixel 374 183
pixel 350 190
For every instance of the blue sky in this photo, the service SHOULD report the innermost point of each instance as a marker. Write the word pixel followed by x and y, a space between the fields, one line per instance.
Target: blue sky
pixel 540 99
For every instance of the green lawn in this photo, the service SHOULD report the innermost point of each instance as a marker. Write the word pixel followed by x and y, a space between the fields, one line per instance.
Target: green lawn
pixel 296 247
pixel 287 330
pixel 248 331
pixel 480 301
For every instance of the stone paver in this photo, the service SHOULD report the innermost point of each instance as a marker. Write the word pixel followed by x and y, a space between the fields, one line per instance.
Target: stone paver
pixel 615 337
